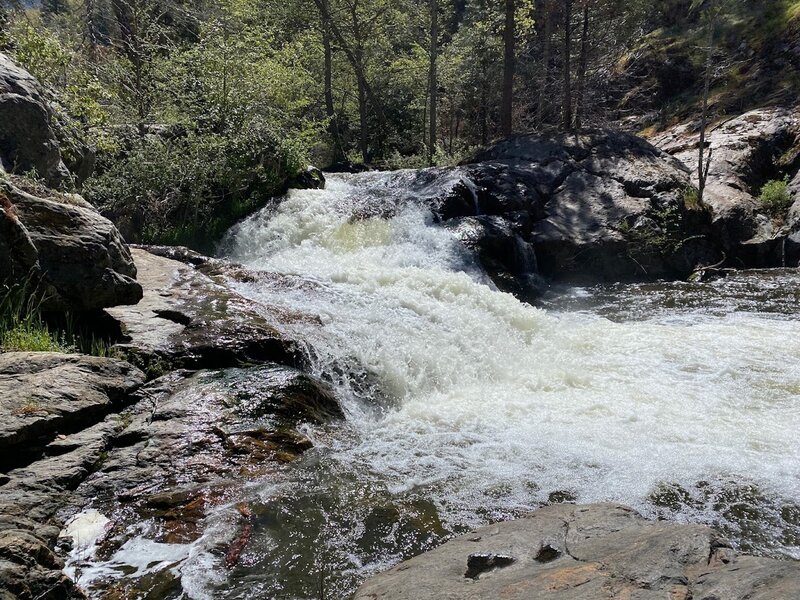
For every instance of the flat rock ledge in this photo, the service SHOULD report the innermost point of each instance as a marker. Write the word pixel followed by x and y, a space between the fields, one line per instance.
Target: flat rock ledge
pixel 189 320
pixel 589 552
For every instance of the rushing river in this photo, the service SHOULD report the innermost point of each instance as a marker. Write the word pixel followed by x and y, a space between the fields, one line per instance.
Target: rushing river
pixel 465 405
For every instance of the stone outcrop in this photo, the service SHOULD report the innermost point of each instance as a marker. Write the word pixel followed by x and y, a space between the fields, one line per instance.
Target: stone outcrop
pixel 57 421
pixel 27 138
pixel 83 430
pixel 60 243
pixel 594 206
pixel 188 320
pixel 746 152
pixel 569 552
pixel 42 394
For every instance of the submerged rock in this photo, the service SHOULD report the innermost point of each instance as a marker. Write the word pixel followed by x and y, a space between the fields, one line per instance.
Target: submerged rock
pixel 594 551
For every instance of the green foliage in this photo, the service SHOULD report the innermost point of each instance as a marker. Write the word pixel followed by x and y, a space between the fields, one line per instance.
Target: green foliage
pixel 691 198
pixel 189 190
pixel 38 50
pixel 21 325
pixel 775 196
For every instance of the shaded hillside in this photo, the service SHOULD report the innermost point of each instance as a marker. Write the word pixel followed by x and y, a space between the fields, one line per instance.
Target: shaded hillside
pixel 756 62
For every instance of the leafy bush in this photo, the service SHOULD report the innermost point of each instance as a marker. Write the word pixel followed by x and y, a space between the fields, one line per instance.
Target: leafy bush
pixel 775 195
pixel 691 198
pixel 188 190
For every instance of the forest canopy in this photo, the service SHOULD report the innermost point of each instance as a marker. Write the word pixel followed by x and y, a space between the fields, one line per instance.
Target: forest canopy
pixel 199 111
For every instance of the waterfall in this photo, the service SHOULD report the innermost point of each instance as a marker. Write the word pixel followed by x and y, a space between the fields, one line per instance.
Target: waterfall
pixel 490 402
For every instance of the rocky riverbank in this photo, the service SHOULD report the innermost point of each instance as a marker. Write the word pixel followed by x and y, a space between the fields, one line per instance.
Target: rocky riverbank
pixel 201 390
pixel 81 429
pixel 589 552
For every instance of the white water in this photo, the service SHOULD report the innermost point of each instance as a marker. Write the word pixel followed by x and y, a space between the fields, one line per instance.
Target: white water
pixel 493 404
pixel 465 405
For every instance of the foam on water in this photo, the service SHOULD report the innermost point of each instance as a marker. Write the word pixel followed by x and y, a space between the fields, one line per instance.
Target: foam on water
pixel 496 401
pixel 465 405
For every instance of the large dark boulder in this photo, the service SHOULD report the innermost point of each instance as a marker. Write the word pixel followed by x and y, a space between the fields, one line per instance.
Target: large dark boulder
pixel 27 138
pixel 598 206
pixel 59 243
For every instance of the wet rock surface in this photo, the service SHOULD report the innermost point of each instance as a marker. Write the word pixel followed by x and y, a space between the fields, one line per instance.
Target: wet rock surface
pixel 44 399
pixel 61 241
pixel 188 320
pixel 595 551
pixel 46 394
pixel 746 152
pixel 82 429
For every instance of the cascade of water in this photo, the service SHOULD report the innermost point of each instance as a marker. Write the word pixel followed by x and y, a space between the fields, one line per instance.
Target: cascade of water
pixel 492 394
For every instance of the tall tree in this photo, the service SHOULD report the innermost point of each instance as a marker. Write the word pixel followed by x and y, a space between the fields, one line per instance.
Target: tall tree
pixel 567 101
pixel 546 15
pixel 355 52
pixel 582 62
pixel 330 108
pixel 433 83
pixel 509 51
pixel 704 157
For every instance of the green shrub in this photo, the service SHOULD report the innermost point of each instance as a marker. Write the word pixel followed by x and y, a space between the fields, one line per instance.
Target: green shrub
pixel 691 198
pixel 21 325
pixel 775 196
pixel 190 189
pixel 32 337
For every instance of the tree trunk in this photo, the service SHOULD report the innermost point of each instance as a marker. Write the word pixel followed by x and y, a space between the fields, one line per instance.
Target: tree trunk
pixel 363 121
pixel 330 110
pixel 544 78
pixel 704 161
pixel 433 83
pixel 581 84
pixel 507 106
pixel 356 62
pixel 567 108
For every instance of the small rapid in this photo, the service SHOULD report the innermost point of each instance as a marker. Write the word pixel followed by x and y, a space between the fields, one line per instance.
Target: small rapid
pixel 479 407
pixel 466 406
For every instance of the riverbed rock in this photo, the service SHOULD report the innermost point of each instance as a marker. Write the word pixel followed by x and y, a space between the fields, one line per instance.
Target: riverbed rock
pixel 591 552
pixel 43 394
pixel 27 139
pixel 746 152
pixel 187 320
pixel 60 243
pixel 210 428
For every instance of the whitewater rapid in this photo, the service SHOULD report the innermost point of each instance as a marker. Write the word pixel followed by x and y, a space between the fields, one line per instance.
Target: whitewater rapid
pixel 488 405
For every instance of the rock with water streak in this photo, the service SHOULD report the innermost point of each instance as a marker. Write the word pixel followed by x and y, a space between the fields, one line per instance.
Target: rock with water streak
pixel 593 552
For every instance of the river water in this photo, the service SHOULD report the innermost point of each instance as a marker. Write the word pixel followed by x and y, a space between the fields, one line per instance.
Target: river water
pixel 465 405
